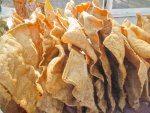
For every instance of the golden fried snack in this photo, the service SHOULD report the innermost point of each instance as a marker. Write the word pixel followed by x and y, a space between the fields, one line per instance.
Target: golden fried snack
pixel 75 30
pixel 140 33
pixel 115 43
pixel 20 6
pixel 5 98
pixel 136 71
pixel 77 61
pixel 91 27
pixel 141 47
pixel 76 73
pixel 18 76
pixel 33 47
pixel 100 93
pixel 70 10
pixel 83 7
pixel 143 23
pixel 54 83
pixel 49 105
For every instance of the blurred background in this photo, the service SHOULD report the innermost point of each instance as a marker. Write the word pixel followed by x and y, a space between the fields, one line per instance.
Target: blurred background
pixel 125 8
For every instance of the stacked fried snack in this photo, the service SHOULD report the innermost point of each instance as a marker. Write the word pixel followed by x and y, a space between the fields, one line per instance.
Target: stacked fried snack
pixel 79 61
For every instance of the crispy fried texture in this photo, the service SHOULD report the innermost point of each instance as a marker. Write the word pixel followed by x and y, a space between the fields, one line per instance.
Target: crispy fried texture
pixel 80 60
pixel 18 76
pixel 76 73
pixel 50 105
pixel 115 43
pixel 20 6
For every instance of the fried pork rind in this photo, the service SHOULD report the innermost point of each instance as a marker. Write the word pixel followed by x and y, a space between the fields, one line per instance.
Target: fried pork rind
pixel 17 76
pixel 57 31
pixel 62 20
pixel 141 47
pixel 33 47
pixel 31 6
pixel 20 6
pixel 143 23
pixel 99 13
pixel 76 73
pixel 75 36
pixel 136 71
pixel 81 60
pixel 140 33
pixel 5 97
pixel 115 43
pixel 100 93
pixel 49 51
pixel 49 12
pixel 57 88
pixel 70 10
pixel 16 19
pixel 139 40
pixel 50 105
pixel 101 16
pixel 137 43
pixel 54 83
pixel 104 15
pixel 83 7
pixel 139 20
pixel 49 42
pixel 91 26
